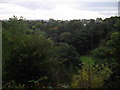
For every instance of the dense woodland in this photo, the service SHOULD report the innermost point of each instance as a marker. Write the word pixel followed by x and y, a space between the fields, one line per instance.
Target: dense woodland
pixel 61 53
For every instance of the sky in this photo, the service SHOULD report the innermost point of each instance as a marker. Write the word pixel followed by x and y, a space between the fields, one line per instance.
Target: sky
pixel 58 9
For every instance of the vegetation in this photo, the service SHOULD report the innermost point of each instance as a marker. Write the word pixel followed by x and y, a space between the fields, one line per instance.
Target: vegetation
pixel 91 77
pixel 61 54
pixel 87 60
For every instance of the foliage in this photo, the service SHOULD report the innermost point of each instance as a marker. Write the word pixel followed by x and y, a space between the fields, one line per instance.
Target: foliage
pixel 115 44
pixel 87 60
pixel 91 77
pixel 110 50
pixel 68 60
pixel 29 58
pixel 35 49
pixel 30 55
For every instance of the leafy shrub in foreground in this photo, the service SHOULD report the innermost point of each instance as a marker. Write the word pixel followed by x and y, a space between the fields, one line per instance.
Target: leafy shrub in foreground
pixel 91 77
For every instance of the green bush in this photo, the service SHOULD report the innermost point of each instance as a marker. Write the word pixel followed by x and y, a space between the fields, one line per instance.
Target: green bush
pixel 91 77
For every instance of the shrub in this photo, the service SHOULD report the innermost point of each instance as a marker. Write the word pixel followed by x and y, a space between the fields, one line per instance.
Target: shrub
pixel 91 77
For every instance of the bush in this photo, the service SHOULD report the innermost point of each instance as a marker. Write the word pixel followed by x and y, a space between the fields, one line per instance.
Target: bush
pixel 91 77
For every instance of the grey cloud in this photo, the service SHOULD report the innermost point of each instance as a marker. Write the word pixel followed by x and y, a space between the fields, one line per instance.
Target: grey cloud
pixel 6 1
pixel 101 4
pixel 2 1
pixel 33 5
pixel 109 13
pixel 49 5
pixel 36 5
pixel 96 6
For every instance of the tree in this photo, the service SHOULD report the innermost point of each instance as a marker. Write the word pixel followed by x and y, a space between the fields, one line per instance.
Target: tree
pixel 68 60
pixel 65 37
pixel 115 44
pixel 29 60
pixel 109 52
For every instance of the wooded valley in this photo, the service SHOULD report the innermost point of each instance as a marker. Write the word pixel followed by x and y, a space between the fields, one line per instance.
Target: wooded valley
pixel 61 53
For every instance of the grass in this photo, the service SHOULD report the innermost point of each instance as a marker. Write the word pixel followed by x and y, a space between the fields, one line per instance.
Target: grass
pixel 87 60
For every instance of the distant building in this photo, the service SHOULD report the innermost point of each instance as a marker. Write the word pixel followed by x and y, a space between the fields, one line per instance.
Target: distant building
pixel 119 8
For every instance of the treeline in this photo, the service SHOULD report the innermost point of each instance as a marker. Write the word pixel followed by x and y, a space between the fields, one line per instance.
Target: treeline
pixel 41 53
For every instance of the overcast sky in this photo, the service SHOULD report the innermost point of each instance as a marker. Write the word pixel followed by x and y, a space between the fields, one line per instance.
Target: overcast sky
pixel 58 9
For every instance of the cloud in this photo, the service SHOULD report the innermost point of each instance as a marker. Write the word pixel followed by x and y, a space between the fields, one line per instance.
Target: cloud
pixel 110 13
pixel 96 6
pixel 35 5
pixel 58 9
